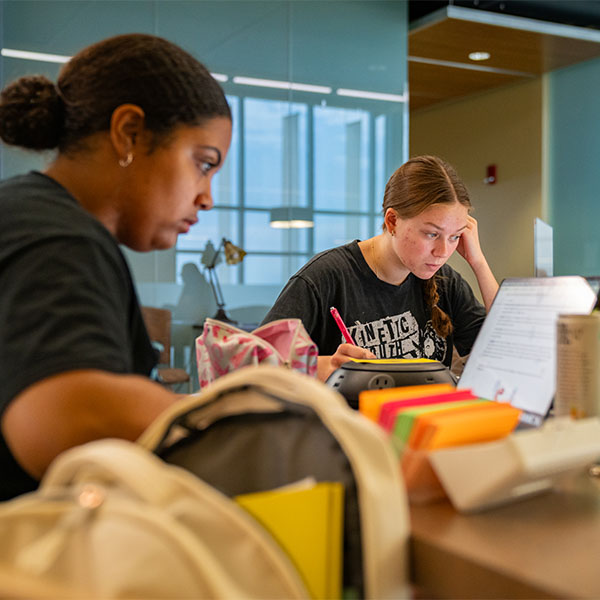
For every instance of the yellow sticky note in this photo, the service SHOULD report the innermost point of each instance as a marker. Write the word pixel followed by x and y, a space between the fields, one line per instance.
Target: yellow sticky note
pixel 393 361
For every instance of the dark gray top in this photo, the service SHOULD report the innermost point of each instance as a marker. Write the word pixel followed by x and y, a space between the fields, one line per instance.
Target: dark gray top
pixel 392 321
pixel 67 301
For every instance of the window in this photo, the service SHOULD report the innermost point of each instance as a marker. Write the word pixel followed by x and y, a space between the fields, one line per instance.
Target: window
pixel 341 159
pixel 323 150
pixel 328 158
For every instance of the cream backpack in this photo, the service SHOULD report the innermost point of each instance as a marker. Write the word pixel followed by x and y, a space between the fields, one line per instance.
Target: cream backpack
pixel 264 427
pixel 113 520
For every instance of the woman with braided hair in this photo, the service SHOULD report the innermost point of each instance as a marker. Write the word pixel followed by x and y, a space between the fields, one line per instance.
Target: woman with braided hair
pixel 140 128
pixel 394 291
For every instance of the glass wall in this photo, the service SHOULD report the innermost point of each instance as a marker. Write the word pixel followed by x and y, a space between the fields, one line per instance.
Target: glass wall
pixel 318 93
pixel 573 162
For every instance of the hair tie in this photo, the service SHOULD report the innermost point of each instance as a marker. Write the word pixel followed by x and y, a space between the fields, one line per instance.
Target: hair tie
pixel 59 93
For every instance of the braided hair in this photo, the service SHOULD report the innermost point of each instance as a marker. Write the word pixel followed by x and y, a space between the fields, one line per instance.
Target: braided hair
pixel 415 186
pixel 166 82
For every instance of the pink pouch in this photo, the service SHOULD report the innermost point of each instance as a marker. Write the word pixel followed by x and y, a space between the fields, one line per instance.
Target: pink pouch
pixel 223 348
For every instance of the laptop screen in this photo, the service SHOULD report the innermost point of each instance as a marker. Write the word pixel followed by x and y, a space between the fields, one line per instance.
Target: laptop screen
pixel 594 282
pixel 543 251
pixel 514 356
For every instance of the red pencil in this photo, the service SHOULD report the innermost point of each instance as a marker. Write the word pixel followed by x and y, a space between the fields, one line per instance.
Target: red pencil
pixel 341 325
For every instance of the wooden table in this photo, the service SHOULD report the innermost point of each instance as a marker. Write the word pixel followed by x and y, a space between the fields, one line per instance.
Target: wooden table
pixel 547 546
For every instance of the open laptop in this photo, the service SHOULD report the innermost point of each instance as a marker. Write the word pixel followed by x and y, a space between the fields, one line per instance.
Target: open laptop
pixel 514 356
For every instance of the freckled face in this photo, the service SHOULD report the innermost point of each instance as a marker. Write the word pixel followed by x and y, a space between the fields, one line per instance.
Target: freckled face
pixel 165 189
pixel 425 242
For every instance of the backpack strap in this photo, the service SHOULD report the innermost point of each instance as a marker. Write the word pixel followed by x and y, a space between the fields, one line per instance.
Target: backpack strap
pixel 113 462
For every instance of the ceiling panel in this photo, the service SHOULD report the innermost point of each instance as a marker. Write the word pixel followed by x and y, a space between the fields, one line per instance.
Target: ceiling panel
pixel 431 84
pixel 520 48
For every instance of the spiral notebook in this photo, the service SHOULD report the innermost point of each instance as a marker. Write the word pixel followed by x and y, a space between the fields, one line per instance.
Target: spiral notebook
pixel 513 359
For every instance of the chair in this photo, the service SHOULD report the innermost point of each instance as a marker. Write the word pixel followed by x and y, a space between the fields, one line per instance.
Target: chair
pixel 158 324
pixel 250 315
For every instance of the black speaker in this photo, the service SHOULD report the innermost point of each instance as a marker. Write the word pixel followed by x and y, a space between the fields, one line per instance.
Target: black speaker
pixel 354 377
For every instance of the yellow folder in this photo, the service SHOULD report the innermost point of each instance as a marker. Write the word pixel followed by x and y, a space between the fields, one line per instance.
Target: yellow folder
pixel 307 522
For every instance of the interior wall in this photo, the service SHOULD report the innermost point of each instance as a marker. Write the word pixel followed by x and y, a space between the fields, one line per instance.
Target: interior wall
pixel 502 128
pixel 573 166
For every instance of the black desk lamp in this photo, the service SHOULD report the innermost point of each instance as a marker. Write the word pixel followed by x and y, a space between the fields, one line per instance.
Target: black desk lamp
pixel 210 259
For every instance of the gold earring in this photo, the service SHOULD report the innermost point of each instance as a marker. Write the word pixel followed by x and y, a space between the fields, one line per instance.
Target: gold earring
pixel 125 162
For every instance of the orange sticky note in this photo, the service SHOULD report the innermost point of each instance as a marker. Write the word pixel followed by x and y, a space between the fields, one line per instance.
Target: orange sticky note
pixel 370 401
pixel 405 419
pixel 477 423
pixel 389 410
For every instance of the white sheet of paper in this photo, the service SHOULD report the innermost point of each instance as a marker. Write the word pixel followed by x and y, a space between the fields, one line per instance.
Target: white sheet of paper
pixel 514 356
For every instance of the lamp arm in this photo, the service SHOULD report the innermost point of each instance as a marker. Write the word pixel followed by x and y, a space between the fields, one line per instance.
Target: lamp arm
pixel 216 287
pixel 216 255
pixel 213 278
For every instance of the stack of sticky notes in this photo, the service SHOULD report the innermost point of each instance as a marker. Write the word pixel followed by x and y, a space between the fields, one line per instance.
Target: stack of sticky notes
pixel 423 418
pixel 306 520
pixel 370 402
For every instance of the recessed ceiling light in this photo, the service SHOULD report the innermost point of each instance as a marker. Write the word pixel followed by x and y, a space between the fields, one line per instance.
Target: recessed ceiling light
pixel 283 85
pixel 479 55
pixel 220 77
pixel 61 58
pixel 371 95
pixel 41 56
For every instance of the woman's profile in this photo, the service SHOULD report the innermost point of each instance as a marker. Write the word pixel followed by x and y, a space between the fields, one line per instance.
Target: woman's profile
pixel 139 127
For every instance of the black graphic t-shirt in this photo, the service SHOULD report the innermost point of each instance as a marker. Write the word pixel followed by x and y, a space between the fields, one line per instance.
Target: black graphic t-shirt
pixel 392 321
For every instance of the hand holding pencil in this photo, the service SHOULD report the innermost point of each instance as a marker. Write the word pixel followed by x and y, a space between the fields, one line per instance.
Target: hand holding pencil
pixel 345 352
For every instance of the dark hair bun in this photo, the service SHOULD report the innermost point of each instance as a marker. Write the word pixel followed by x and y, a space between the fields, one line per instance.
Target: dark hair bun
pixel 31 113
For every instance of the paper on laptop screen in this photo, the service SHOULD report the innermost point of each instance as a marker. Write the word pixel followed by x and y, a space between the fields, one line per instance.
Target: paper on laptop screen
pixel 513 358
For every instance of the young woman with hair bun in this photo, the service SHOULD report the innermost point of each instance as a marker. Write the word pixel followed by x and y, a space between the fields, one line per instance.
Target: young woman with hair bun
pixel 394 291
pixel 139 127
